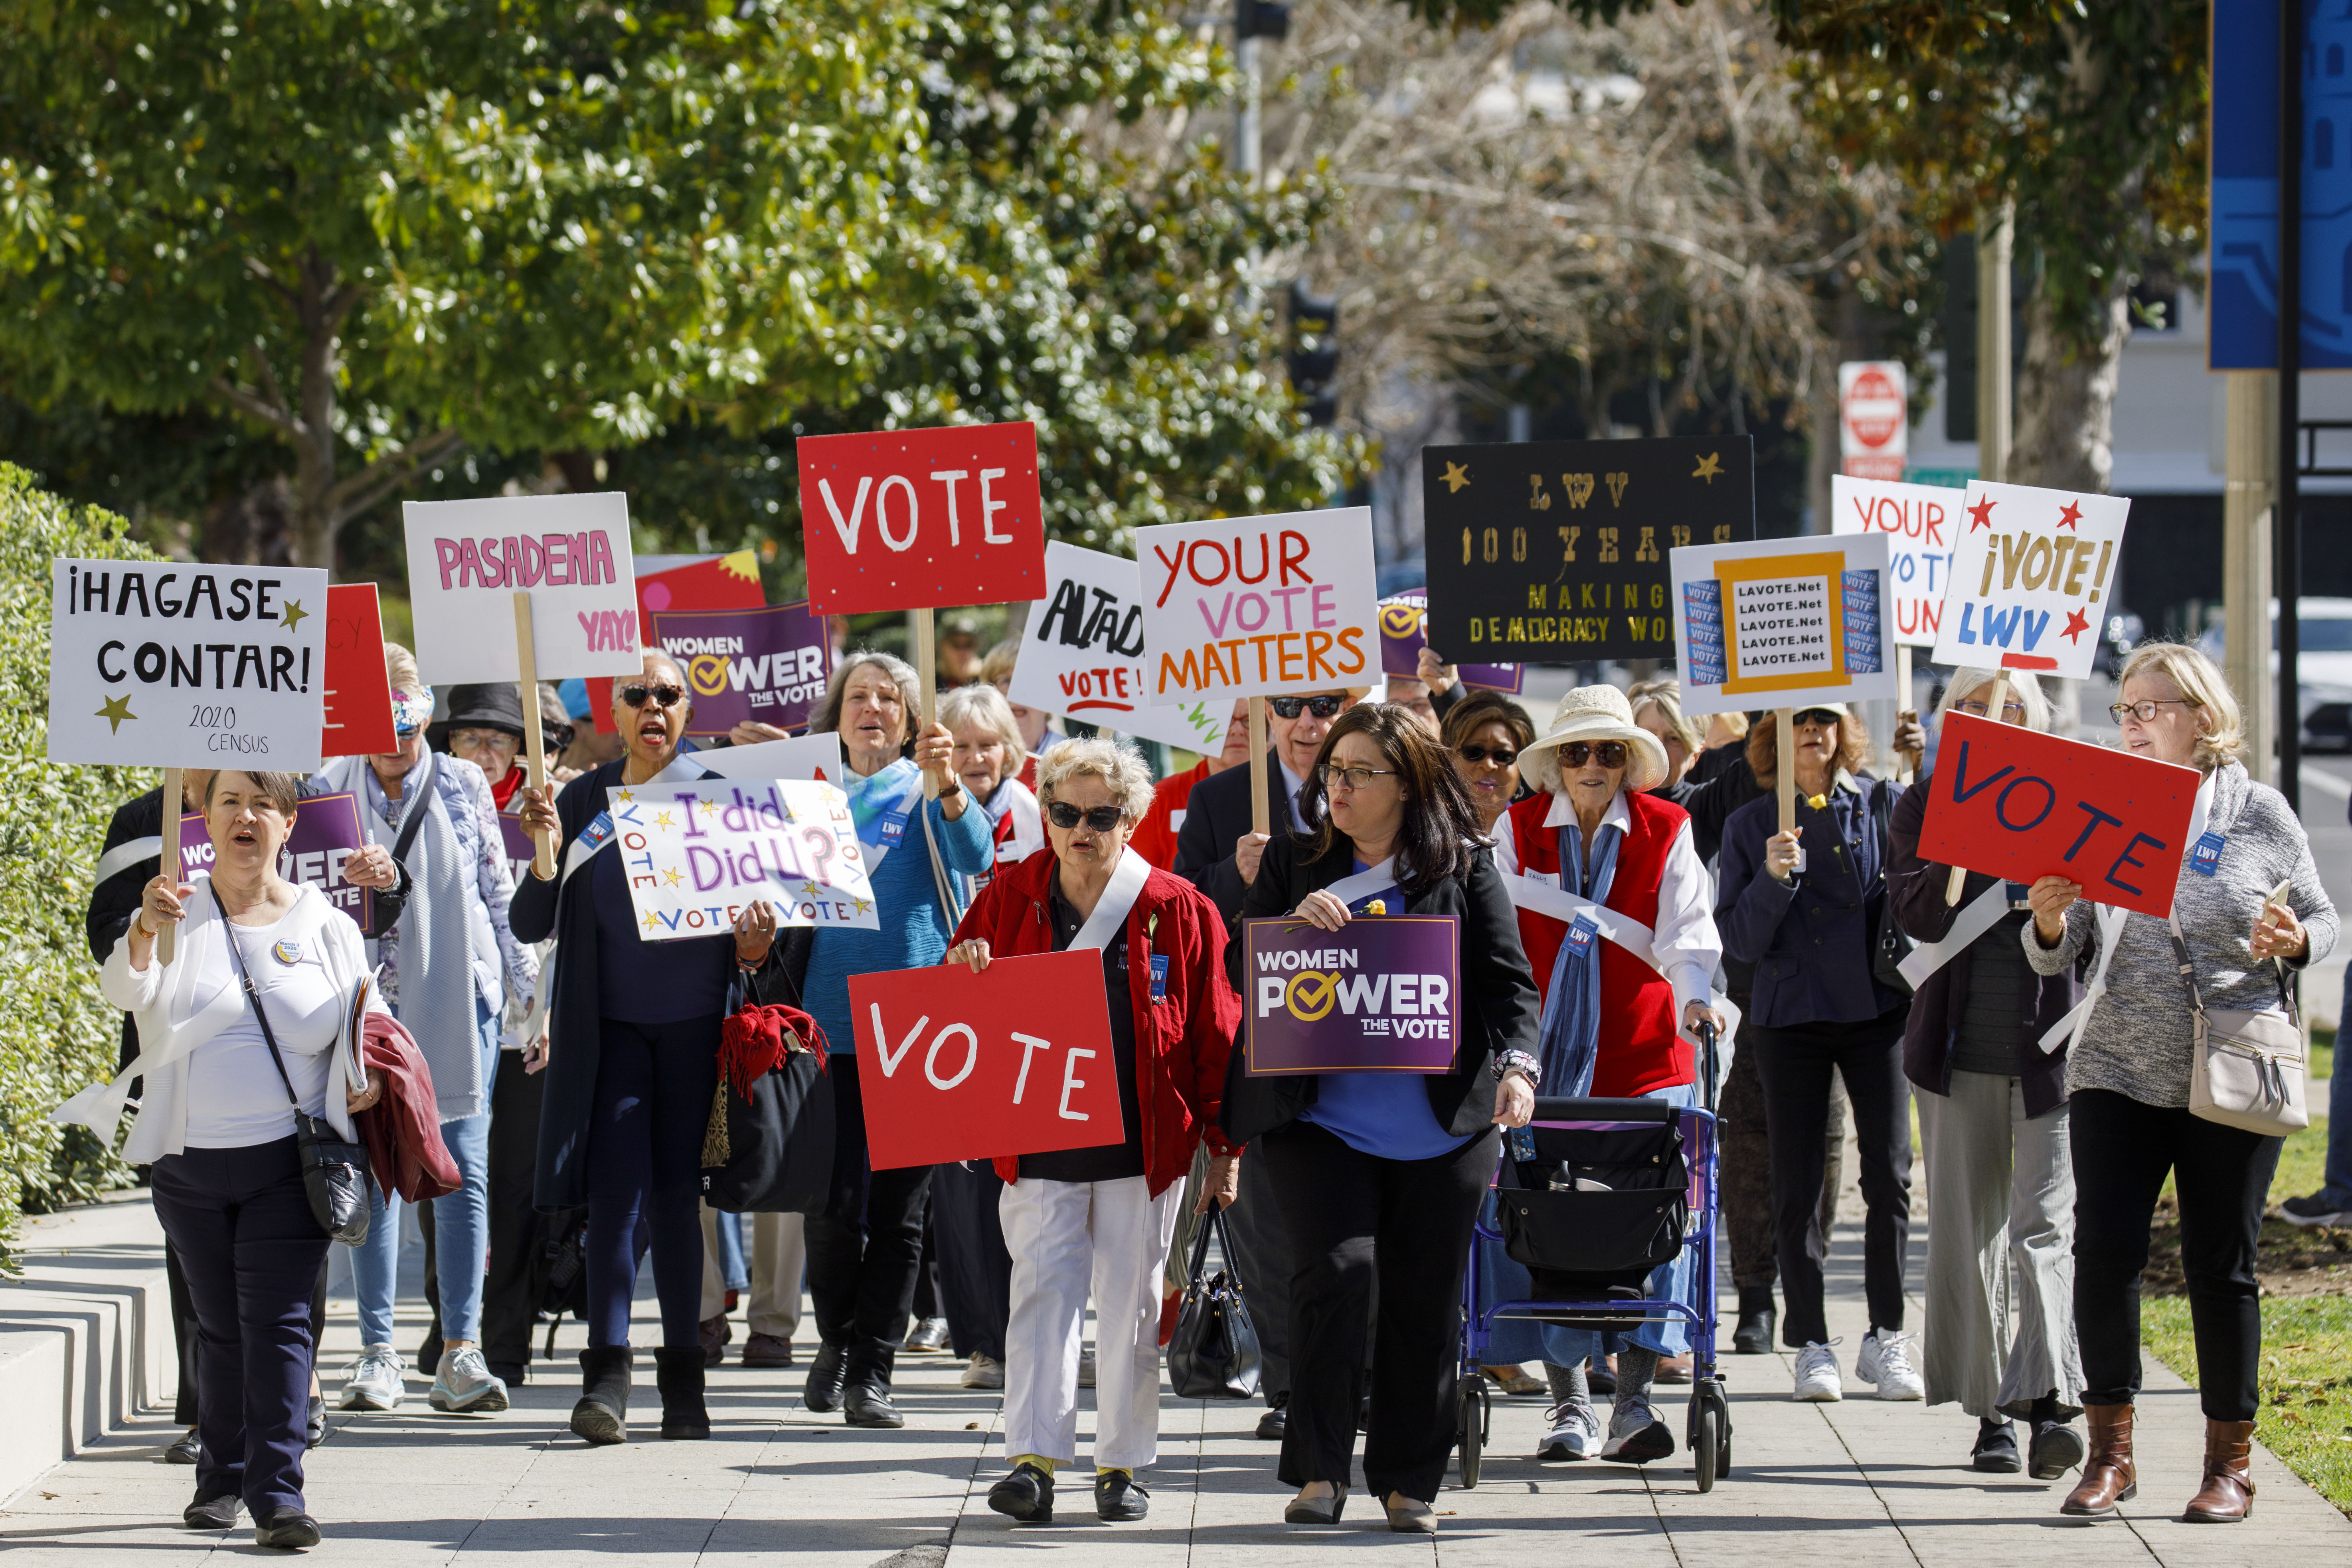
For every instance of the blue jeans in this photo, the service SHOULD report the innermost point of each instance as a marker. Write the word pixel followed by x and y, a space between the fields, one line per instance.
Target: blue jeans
pixel 2338 1188
pixel 461 1223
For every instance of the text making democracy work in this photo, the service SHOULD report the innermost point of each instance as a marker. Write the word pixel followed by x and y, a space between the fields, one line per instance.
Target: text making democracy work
pixel 1782 623
pixel 1308 983
pixel 272 666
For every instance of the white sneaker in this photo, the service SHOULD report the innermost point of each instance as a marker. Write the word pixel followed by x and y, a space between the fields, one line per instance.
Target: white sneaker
pixel 1636 1436
pixel 1886 1361
pixel 983 1372
pixel 1817 1373
pixel 373 1382
pixel 1575 1432
pixel 464 1382
pixel 1085 1369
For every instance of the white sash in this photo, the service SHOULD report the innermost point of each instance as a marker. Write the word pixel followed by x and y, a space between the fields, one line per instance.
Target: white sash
pixel 1982 914
pixel 1372 879
pixel 2072 1026
pixel 1118 897
pixel 1530 893
pixel 125 855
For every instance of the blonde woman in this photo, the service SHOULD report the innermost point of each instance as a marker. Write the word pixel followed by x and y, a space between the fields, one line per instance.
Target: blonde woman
pixel 2127 1071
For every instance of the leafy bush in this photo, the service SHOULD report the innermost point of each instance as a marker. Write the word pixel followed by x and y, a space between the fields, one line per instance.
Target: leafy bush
pixel 56 1033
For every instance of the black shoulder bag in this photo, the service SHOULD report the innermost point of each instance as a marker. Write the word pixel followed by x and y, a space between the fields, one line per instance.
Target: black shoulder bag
pixel 388 904
pixel 334 1172
pixel 1213 1354
pixel 1888 946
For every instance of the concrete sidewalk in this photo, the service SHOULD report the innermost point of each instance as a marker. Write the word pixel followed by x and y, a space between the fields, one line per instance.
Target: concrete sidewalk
pixel 1864 1482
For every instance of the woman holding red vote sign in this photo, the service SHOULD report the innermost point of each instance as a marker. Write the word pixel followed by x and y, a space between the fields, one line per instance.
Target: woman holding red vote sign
pixel 864 1251
pixel 632 1062
pixel 1103 1215
pixel 1359 1160
pixel 2129 1064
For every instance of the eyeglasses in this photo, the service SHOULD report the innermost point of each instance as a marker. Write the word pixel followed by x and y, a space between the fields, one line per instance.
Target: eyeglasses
pixel 1322 707
pixel 2145 709
pixel 1354 778
pixel 2008 709
pixel 483 739
pixel 1500 756
pixel 1608 754
pixel 1101 818
pixel 1819 718
pixel 661 696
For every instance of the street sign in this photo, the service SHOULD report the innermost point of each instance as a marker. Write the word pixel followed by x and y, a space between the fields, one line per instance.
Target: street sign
pixel 1873 418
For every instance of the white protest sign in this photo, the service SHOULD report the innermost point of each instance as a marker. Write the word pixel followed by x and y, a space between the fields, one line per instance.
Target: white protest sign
pixel 2032 577
pixel 799 757
pixel 1921 523
pixel 698 855
pixel 1780 623
pixel 1257 607
pixel 162 664
pixel 1084 655
pixel 468 558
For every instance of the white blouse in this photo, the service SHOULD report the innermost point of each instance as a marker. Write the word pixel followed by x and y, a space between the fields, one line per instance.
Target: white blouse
pixel 1685 944
pixel 236 1099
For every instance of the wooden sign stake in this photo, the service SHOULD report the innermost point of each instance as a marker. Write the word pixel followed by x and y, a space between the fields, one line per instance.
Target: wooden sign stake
pixel 1261 812
pixel 534 738
pixel 1994 706
pixel 926 660
pixel 175 802
pixel 1784 739
pixel 1902 700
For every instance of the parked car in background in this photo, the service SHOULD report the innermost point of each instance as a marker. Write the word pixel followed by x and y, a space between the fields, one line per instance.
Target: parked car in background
pixel 2323 667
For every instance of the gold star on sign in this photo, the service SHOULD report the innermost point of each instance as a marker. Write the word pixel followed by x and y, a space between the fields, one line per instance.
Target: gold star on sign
pixel 294 614
pixel 115 710
pixel 623 797
pixel 1709 469
pixel 651 922
pixel 709 807
pixel 861 905
pixel 661 819
pixel 672 874
pixel 1456 475
pixel 811 890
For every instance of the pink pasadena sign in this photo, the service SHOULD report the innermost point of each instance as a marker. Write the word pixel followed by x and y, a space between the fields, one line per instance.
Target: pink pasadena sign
pixel 467 559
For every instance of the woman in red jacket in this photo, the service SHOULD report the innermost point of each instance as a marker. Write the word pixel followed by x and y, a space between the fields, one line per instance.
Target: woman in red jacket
pixel 1103 1217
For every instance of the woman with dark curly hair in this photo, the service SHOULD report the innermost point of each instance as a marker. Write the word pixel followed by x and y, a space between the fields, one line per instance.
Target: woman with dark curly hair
pixel 1359 1161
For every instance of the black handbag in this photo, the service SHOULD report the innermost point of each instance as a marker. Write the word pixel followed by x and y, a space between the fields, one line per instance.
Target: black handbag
pixel 1213 1352
pixel 1888 946
pixel 768 1147
pixel 334 1172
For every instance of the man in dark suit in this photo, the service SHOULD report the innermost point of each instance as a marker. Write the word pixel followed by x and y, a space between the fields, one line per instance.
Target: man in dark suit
pixel 1217 853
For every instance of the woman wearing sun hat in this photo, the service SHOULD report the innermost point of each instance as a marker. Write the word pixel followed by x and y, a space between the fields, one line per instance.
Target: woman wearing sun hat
pixel 1625 985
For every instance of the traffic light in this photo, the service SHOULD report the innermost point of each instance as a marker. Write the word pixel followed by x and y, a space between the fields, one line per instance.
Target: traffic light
pixel 1314 357
pixel 1261 19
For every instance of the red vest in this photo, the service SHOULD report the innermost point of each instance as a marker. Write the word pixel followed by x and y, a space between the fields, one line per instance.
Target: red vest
pixel 1641 1048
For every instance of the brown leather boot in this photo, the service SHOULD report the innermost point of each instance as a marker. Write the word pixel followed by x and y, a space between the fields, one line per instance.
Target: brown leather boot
pixel 2108 1476
pixel 2227 1494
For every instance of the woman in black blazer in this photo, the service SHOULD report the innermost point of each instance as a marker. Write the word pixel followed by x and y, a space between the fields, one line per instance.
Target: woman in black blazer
pixel 1359 1160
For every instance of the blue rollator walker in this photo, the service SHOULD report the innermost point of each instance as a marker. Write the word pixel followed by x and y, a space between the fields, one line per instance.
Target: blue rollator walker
pixel 1592 1196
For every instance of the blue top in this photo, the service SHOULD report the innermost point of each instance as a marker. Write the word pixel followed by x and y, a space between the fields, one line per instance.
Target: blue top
pixel 914 929
pixel 1810 938
pixel 1385 1114
pixel 641 981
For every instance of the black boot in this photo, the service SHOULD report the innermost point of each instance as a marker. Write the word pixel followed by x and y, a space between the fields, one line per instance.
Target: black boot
pixel 679 1376
pixel 603 1413
pixel 826 1375
pixel 1756 1320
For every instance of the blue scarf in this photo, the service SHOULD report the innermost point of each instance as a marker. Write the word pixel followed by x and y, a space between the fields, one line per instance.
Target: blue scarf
pixel 1570 1030
pixel 881 805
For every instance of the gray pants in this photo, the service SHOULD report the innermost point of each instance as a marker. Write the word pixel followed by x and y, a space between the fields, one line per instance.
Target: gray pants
pixel 2001 1262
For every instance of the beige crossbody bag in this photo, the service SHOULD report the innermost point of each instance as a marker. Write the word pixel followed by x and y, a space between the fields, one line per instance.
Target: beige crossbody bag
pixel 2249 1065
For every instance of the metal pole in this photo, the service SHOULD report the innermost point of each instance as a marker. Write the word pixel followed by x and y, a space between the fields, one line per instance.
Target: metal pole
pixel 1247 130
pixel 1995 397
pixel 2286 543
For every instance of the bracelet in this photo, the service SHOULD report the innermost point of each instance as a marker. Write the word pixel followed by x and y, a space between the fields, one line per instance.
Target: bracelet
pixel 138 923
pixel 1519 1062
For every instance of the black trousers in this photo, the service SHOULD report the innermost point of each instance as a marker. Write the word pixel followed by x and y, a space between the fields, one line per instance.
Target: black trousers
pixel 519 1232
pixel 975 1271
pixel 2123 1150
pixel 865 1249
pixel 1745 1189
pixel 1343 1209
pixel 252 1255
pixel 185 1403
pixel 1797 1066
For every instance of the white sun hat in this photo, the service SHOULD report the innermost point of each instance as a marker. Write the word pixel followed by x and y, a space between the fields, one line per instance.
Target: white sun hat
pixel 1597 713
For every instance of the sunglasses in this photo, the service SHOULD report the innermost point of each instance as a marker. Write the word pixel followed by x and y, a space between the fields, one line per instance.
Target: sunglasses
pixel 1502 757
pixel 661 696
pixel 1608 754
pixel 1101 818
pixel 1322 707
pixel 1821 718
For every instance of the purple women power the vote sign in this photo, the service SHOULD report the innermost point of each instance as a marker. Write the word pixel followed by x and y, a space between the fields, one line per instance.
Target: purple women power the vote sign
pixel 1380 994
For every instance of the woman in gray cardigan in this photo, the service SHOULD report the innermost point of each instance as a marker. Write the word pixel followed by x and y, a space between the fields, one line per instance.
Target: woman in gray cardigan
pixel 2128 1075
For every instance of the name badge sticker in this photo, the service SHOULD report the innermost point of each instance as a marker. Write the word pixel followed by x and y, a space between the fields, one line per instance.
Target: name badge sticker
pixel 2205 855
pixel 1580 932
pixel 1159 977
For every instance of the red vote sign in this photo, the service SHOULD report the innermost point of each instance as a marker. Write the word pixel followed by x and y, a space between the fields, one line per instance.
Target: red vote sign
pixel 359 694
pixel 914 520
pixel 958 1066
pixel 2016 804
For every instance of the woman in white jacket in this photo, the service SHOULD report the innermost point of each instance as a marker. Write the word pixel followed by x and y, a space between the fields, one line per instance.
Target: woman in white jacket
pixel 216 1122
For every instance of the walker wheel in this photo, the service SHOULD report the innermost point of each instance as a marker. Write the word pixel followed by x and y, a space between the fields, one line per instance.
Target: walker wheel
pixel 1470 1427
pixel 1707 1443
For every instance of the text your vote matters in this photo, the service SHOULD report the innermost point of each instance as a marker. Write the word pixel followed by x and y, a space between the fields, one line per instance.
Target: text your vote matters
pixel 1013 1061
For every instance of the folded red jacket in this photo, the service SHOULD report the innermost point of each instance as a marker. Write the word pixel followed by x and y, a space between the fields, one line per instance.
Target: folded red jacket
pixel 403 1129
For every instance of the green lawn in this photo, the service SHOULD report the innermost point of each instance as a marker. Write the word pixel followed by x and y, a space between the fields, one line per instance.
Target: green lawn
pixel 2322 1052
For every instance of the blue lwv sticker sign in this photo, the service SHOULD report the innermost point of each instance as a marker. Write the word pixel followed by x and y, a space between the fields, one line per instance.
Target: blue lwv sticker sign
pixel 2032 578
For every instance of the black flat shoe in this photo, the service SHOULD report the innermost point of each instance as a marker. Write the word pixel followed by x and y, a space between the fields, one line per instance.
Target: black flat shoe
pixel 212 1510
pixel 868 1404
pixel 2056 1448
pixel 1025 1496
pixel 287 1529
pixel 1996 1449
pixel 186 1451
pixel 1316 1511
pixel 1273 1425
pixel 1119 1497
pixel 827 1374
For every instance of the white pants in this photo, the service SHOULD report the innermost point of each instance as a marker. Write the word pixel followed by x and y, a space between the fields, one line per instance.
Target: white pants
pixel 1064 1235
pixel 778 1256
